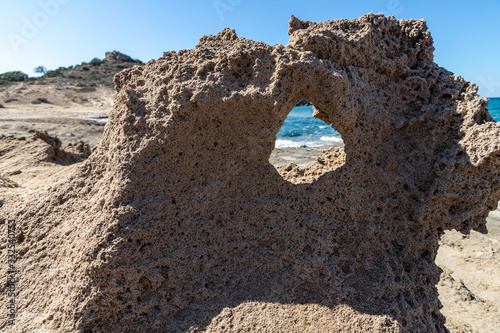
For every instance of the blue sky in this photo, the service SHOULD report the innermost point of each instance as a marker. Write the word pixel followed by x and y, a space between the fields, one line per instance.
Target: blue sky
pixel 57 33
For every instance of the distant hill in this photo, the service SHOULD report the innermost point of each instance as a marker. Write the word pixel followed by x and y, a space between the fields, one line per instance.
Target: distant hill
pixel 86 76
pixel 87 84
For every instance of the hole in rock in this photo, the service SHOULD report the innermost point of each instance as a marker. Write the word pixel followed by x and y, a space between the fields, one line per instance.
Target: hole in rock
pixel 303 139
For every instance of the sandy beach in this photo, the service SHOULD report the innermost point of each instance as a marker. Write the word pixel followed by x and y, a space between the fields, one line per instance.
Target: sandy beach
pixel 69 124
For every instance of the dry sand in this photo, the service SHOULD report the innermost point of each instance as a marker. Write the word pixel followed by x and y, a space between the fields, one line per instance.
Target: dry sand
pixel 470 283
pixel 68 123
pixel 64 114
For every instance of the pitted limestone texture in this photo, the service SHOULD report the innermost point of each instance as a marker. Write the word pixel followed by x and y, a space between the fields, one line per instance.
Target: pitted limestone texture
pixel 178 223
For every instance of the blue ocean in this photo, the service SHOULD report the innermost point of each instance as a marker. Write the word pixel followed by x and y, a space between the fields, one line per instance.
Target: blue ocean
pixel 494 108
pixel 301 129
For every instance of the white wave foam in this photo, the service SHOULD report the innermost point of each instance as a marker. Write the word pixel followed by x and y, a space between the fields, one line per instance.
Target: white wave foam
pixel 97 120
pixel 332 139
pixel 280 144
pixel 289 144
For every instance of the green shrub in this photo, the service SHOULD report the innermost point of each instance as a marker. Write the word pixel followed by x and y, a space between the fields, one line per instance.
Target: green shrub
pixel 40 100
pixel 15 76
pixel 108 84
pixel 93 77
pixel 85 89
pixel 86 85
pixel 11 100
pixel 55 73
pixel 85 68
pixel 96 62
pixel 1 106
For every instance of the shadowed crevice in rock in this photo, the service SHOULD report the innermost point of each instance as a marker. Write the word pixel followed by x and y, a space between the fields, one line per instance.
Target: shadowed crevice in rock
pixel 177 222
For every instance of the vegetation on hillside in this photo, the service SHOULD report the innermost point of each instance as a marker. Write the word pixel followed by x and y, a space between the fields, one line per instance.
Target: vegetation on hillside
pixel 84 77
pixel 9 78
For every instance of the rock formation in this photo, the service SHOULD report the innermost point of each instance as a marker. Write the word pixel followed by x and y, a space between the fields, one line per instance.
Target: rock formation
pixel 117 57
pixel 330 160
pixel 177 222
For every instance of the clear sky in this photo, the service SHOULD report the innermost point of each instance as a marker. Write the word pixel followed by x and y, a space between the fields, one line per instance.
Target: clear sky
pixel 57 33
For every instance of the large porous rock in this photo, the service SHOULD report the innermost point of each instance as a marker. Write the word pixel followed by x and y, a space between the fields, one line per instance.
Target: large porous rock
pixel 177 222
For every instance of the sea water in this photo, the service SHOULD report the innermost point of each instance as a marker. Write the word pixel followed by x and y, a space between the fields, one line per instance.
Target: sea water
pixel 301 129
pixel 494 108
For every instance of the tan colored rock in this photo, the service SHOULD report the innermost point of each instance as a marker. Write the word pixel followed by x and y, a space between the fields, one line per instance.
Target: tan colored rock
pixel 330 160
pixel 117 57
pixel 177 222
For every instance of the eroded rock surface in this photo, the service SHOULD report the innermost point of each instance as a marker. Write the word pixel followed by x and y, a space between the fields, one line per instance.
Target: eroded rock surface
pixel 330 160
pixel 177 222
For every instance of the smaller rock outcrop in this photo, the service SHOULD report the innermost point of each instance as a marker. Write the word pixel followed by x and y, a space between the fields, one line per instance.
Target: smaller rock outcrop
pixel 117 57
